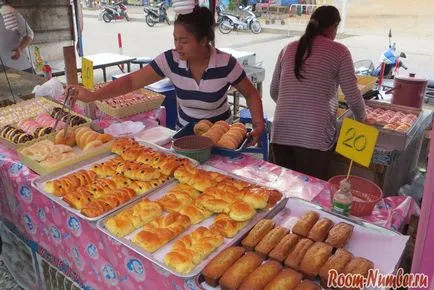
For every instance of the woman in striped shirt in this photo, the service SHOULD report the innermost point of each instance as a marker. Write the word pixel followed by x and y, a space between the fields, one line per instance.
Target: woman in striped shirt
pixel 304 86
pixel 200 73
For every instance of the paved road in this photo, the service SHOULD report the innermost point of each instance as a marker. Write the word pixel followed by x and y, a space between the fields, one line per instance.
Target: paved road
pixel 141 40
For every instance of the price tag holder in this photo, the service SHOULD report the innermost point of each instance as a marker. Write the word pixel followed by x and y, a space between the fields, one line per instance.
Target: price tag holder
pixel 357 141
pixel 87 73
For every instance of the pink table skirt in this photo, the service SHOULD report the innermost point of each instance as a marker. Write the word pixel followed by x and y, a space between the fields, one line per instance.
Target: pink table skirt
pixel 98 262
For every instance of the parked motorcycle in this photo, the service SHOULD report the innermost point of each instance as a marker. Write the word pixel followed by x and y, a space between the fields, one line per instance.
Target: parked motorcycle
pixel 231 22
pixel 390 58
pixel 116 12
pixel 156 14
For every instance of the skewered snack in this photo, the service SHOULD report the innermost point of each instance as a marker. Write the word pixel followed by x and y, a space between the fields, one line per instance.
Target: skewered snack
pixel 161 230
pixel 133 218
pixel 191 249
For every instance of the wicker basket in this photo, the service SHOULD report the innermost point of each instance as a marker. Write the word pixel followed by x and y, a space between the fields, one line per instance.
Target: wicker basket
pixel 367 194
pixel 195 147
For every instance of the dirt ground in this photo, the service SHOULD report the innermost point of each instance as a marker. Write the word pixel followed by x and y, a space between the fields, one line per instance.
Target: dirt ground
pixel 405 17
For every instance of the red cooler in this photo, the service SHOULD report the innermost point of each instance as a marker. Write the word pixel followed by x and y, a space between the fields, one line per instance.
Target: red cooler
pixel 409 91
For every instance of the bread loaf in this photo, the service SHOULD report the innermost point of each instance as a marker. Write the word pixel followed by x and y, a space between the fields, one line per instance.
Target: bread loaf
pixel 271 239
pixel 261 276
pixel 284 247
pixel 235 275
pixel 257 233
pixel 287 279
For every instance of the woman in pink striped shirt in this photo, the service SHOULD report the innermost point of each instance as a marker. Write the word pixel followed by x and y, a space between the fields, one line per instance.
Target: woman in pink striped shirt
pixel 304 86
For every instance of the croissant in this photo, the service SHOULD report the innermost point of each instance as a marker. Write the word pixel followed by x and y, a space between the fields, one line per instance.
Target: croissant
pixel 191 249
pixel 160 231
pixel 133 218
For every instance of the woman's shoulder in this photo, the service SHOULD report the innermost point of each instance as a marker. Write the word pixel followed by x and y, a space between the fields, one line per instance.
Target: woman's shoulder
pixel 337 46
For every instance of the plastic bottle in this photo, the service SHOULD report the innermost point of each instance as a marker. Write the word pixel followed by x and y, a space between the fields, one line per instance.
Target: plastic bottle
pixel 47 70
pixel 343 199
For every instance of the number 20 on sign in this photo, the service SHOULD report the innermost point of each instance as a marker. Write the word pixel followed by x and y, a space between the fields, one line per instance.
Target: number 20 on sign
pixel 357 141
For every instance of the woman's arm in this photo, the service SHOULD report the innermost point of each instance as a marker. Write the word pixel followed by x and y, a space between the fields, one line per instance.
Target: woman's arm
pixel 254 102
pixel 275 81
pixel 123 85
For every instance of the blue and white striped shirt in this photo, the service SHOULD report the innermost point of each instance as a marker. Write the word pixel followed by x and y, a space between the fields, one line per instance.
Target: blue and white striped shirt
pixel 208 99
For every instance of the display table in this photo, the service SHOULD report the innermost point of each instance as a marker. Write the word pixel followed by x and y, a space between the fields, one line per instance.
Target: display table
pixel 58 240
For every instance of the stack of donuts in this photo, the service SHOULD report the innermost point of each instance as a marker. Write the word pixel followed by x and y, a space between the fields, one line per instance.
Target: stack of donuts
pixel 221 133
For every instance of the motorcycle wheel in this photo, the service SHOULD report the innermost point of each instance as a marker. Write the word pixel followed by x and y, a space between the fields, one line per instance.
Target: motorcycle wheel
pixel 256 27
pixel 149 20
pixel 106 18
pixel 226 26
pixel 127 18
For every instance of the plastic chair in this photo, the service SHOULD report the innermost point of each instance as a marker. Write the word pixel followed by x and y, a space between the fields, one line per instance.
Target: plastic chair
pixel 141 61
pixel 262 147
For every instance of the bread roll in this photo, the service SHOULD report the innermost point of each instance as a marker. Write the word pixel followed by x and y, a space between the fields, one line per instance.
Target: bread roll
pixel 307 285
pixel 69 139
pixel 287 279
pixel 104 138
pixel 235 275
pixel 295 257
pixel 271 239
pixel 217 266
pixel 336 262
pixel 261 276
pixel 284 247
pixel 339 235
pixel 202 127
pixel 315 257
pixel 305 224
pixel 92 144
pixel 257 233
pixel 320 230
pixel 241 211
pixel 224 124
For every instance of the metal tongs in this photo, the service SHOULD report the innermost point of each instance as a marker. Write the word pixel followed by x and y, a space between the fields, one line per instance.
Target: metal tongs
pixel 67 103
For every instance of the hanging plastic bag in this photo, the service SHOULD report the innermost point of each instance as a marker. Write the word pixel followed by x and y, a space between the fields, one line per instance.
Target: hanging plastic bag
pixel 52 88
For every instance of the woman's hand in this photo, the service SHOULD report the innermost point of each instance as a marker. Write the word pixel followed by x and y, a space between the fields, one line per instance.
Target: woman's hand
pixel 258 129
pixel 81 93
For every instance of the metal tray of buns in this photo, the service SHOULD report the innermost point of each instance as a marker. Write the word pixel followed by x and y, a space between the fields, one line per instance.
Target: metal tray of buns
pixel 158 256
pixel 87 164
pixel 386 255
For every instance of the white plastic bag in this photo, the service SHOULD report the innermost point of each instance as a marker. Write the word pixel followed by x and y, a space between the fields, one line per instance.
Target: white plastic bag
pixel 52 88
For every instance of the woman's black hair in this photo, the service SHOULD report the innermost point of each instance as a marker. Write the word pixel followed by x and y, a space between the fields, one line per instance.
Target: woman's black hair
pixel 321 19
pixel 200 23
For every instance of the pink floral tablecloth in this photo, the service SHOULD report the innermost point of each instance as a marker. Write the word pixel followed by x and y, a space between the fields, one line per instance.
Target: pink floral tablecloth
pixel 98 262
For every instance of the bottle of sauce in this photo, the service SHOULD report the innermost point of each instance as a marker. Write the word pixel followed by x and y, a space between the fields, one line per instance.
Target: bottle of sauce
pixel 48 72
pixel 343 199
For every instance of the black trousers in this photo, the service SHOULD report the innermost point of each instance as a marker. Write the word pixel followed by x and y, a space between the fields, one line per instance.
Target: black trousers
pixel 307 161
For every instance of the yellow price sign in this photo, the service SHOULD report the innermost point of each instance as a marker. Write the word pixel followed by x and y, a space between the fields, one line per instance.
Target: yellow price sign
pixel 87 73
pixel 357 141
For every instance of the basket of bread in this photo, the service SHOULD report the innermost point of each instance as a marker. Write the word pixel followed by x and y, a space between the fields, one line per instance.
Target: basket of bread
pixel 228 139
pixel 63 150
pixel 297 249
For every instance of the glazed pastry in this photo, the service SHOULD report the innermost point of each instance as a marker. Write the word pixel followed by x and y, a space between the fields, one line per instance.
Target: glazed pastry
pixel 339 235
pixel 256 196
pixel 220 263
pixel 235 275
pixel 320 230
pixel 271 239
pixel 133 218
pixel 336 262
pixel 257 233
pixel 284 247
pixel 315 257
pixel 307 285
pixel 174 201
pixel 195 213
pixel 108 202
pixel 191 249
pixel 69 182
pixel 226 226
pixel 160 231
pixel 287 279
pixel 241 211
pixel 305 224
pixel 261 276
pixel 294 258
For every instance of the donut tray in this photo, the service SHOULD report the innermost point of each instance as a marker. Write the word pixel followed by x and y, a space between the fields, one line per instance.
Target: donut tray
pixel 158 256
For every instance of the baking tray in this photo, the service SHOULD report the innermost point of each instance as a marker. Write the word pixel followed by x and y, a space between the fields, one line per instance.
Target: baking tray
pixel 158 256
pixel 390 139
pixel 187 130
pixel 135 109
pixel 385 255
pixel 86 164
